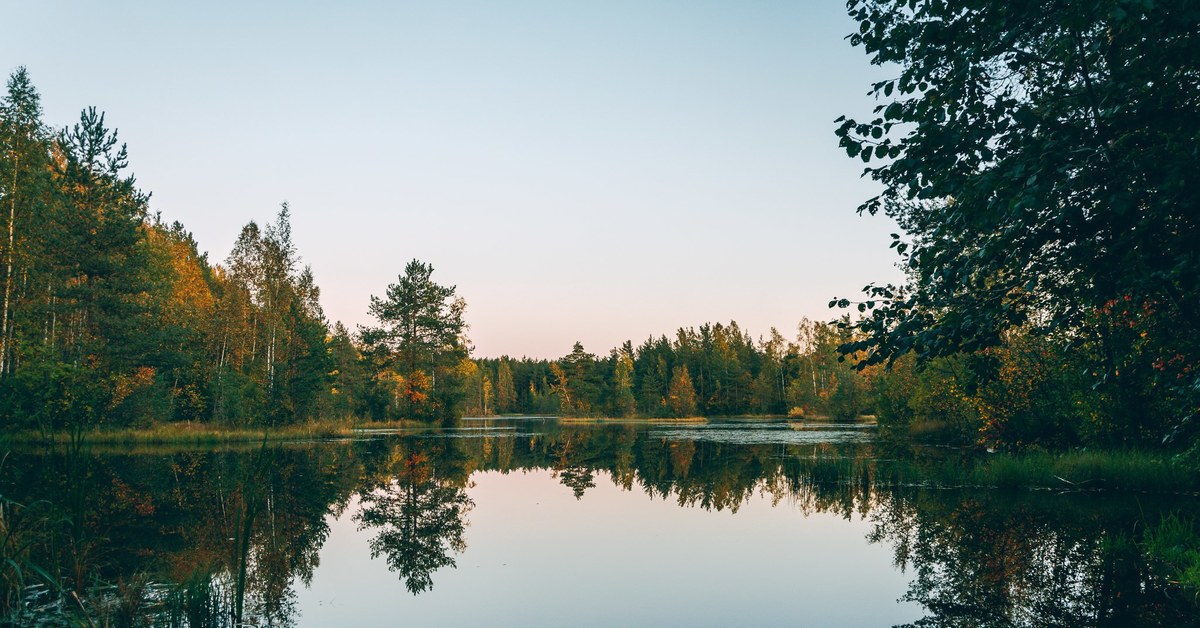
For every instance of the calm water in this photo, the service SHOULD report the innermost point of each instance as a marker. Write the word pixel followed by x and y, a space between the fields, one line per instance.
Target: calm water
pixel 528 522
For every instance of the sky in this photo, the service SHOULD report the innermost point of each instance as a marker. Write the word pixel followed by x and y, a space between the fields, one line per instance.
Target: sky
pixel 591 171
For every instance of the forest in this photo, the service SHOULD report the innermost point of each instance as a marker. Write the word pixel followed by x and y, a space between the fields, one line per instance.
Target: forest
pixel 113 319
pixel 1040 163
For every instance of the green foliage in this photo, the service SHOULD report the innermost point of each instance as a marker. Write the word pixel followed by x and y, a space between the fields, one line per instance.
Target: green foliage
pixel 578 385
pixel 1024 392
pixel 1040 160
pixel 827 384
pixel 928 402
pixel 420 321
pixel 1083 470
pixel 506 392
pixel 419 348
pixel 117 318
pixel 728 374
pixel 351 381
pixel 623 403
pixel 1173 545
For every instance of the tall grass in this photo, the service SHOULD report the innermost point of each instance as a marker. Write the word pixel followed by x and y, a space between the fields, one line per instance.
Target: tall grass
pixel 1072 470
pixel 205 434
pixel 1173 546
pixel 1117 470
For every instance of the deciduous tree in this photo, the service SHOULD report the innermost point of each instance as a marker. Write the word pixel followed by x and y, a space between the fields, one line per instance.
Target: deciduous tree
pixel 1041 160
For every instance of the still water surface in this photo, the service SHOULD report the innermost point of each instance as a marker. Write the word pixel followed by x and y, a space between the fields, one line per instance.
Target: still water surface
pixel 530 522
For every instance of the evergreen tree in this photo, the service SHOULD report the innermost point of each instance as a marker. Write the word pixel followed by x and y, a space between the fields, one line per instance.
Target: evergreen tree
pixel 421 334
pixel 349 375
pixel 624 404
pixel 24 143
pixel 579 366
pixel 506 393
pixel 109 314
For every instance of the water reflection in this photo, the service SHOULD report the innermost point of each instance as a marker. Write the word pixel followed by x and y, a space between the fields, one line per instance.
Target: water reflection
pixel 418 519
pixel 223 538
pixel 986 560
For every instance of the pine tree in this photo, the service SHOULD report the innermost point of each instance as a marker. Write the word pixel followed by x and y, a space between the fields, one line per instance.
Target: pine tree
pixel 421 331
pixel 506 393
pixel 624 404
pixel 22 176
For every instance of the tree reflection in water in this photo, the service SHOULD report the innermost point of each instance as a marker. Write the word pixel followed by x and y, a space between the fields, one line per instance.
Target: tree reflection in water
pixel 221 538
pixel 420 519
pixel 989 560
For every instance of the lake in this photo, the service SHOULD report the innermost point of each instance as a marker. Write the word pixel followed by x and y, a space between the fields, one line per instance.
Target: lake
pixel 535 522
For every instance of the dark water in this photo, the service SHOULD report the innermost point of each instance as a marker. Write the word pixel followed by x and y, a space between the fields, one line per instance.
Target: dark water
pixel 530 522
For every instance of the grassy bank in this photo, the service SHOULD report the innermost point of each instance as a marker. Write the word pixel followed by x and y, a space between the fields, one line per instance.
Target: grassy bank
pixel 204 434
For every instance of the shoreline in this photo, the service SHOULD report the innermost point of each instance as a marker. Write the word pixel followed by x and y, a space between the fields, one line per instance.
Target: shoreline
pixel 200 433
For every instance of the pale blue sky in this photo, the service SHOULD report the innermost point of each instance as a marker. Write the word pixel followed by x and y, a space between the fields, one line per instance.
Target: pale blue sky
pixel 590 171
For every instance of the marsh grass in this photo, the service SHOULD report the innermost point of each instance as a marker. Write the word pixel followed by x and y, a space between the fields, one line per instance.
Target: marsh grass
pixel 1072 470
pixel 1173 546
pixel 187 433
pixel 1117 470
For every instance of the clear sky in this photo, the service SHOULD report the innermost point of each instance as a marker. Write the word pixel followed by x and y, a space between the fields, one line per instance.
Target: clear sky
pixel 593 171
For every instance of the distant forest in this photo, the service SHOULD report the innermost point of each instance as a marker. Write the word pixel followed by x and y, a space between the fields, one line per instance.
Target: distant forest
pixel 113 317
pixel 714 370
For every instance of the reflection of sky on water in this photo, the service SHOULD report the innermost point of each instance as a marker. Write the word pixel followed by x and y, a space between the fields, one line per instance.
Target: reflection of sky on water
pixel 725 431
pixel 597 524
pixel 536 556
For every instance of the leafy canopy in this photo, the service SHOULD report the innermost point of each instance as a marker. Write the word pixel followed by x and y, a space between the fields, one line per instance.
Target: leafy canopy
pixel 1042 160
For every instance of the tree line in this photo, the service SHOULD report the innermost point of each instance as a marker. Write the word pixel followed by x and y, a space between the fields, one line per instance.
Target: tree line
pixel 715 369
pixel 111 316
pixel 1039 164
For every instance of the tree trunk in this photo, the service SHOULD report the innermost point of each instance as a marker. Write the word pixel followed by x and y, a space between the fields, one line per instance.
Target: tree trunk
pixel 12 214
